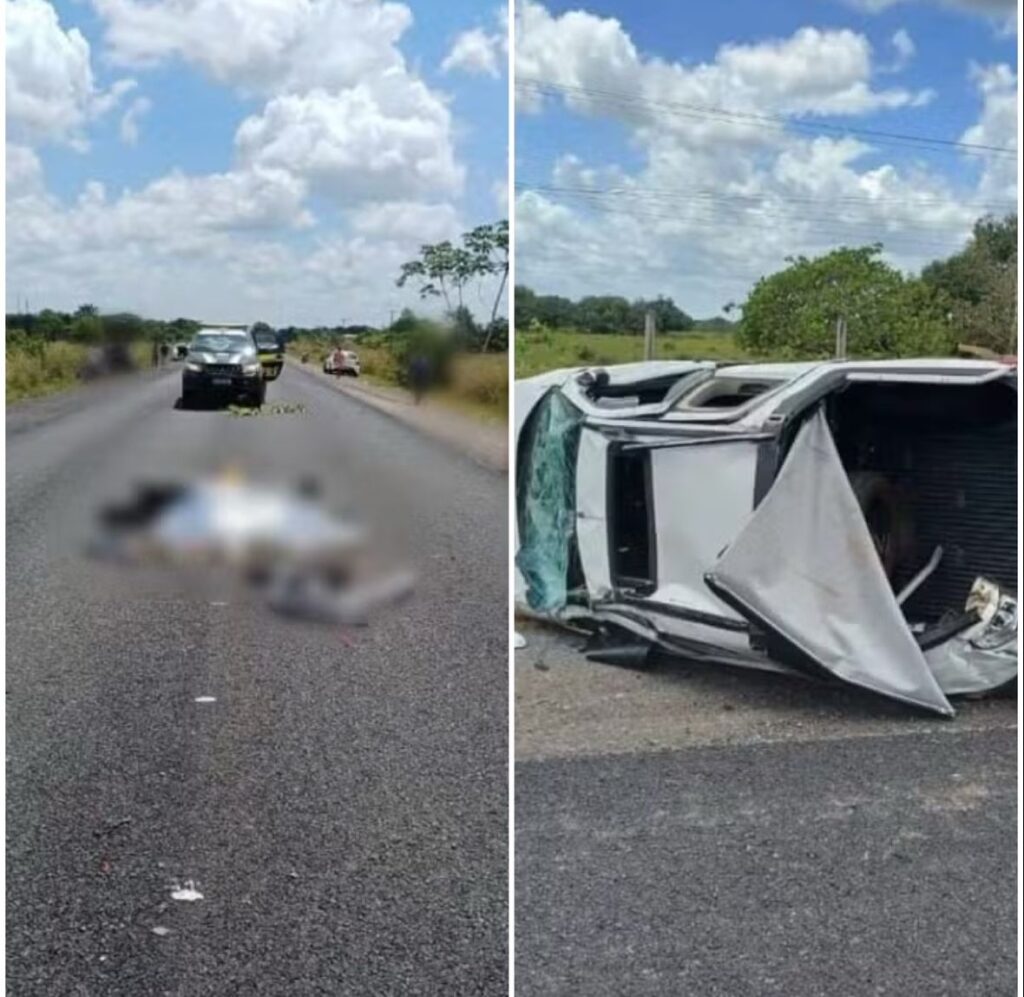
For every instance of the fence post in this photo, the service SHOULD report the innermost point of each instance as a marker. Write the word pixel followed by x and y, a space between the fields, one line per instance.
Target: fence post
pixel 840 338
pixel 649 330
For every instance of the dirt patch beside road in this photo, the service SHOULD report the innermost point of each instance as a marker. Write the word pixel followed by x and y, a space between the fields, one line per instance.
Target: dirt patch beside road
pixel 568 706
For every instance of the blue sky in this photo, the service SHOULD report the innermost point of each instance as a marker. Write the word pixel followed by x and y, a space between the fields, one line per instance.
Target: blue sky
pixel 633 196
pixel 368 127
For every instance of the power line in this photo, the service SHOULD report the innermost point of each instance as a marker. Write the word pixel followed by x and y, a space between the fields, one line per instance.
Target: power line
pixel 776 122
pixel 707 193
pixel 809 225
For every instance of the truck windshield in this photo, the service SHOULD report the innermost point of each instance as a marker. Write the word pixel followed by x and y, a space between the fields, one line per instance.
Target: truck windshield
pixel 220 343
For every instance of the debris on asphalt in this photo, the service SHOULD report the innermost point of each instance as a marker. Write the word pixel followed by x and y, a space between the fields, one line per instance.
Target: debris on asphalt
pixel 275 408
pixel 160 930
pixel 186 893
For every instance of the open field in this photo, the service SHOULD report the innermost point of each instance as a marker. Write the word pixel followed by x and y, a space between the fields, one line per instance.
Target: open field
pixel 36 369
pixel 550 349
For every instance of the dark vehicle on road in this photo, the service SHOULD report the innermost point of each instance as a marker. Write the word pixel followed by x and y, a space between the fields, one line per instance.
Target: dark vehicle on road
pixel 271 353
pixel 223 364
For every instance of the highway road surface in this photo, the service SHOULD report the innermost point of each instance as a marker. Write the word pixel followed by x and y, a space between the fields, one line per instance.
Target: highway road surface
pixel 689 831
pixel 330 816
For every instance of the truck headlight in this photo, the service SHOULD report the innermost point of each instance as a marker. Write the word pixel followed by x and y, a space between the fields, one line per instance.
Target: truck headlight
pixel 251 368
pixel 195 368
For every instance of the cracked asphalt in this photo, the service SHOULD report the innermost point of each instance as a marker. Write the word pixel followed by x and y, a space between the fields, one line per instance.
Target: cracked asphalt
pixel 340 798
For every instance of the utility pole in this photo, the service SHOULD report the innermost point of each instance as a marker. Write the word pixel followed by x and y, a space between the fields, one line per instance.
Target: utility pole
pixel 840 338
pixel 649 331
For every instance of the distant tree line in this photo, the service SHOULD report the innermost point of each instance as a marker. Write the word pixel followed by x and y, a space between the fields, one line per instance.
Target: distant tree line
pixel 969 298
pixel 88 327
pixel 598 313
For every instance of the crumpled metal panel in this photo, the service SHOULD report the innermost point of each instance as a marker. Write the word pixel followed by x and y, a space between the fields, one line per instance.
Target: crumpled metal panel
pixel 805 568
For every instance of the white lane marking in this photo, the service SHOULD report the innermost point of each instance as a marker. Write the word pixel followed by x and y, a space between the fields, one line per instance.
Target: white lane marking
pixel 205 699
pixel 160 930
pixel 188 892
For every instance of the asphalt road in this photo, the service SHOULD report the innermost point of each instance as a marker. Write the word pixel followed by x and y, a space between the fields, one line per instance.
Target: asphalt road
pixel 700 832
pixel 340 806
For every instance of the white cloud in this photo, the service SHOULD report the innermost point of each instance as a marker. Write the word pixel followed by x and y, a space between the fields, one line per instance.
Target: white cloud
pixel 51 92
pixel 905 49
pixel 702 219
pixel 477 51
pixel 1003 13
pixel 474 52
pixel 261 46
pixel 996 127
pixel 600 71
pixel 407 222
pixel 24 171
pixel 129 128
pixel 365 142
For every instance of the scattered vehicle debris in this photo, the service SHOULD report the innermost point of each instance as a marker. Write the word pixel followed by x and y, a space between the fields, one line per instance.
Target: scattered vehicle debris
pixel 844 520
pixel 304 561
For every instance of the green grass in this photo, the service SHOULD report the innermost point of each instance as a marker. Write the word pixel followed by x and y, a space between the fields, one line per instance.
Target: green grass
pixel 41 369
pixel 538 351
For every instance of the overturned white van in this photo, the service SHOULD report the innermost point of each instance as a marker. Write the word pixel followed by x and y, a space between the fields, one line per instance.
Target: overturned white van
pixel 852 520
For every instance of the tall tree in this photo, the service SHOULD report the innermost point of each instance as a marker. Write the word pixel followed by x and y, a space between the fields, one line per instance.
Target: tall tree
pixel 981 285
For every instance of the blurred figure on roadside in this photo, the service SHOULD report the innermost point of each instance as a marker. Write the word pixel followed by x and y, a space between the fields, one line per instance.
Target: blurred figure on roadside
pixel 419 376
pixel 156 354
pixel 164 352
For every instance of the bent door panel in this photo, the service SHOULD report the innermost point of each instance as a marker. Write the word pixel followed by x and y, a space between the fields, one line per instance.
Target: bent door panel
pixel 804 568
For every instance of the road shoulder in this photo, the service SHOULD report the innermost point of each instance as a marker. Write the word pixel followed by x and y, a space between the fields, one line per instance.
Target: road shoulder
pixel 485 443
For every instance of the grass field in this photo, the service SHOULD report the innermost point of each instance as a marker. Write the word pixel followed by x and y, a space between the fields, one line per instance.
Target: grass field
pixel 550 349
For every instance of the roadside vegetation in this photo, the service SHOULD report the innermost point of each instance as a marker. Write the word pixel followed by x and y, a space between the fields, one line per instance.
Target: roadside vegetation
pixel 466 378
pixel 965 303
pixel 51 351
pixel 467 357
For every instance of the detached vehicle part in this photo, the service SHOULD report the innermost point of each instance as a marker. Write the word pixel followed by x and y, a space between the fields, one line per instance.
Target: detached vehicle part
pixel 844 520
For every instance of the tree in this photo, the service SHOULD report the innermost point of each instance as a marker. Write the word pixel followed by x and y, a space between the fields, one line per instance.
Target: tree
pixel 980 283
pixel 603 313
pixel 794 311
pixel 667 315
pixel 488 245
pixel 87 311
pixel 443 270
pixel 86 327
pixel 50 325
